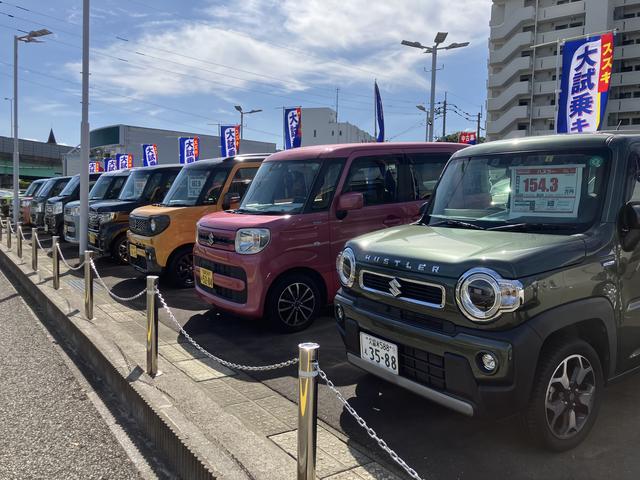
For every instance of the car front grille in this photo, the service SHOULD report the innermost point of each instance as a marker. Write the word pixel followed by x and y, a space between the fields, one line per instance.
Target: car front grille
pixel 94 221
pixel 422 367
pixel 48 209
pixel 139 225
pixel 228 271
pixel 412 291
pixel 221 239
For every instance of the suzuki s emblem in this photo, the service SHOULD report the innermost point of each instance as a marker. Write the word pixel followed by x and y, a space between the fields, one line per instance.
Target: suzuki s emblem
pixel 394 287
pixel 211 239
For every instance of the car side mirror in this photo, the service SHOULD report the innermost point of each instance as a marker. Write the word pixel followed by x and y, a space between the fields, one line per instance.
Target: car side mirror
pixel 629 225
pixel 230 200
pixel 350 201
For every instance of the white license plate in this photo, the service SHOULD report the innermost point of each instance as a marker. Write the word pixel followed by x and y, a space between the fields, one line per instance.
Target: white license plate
pixel 379 352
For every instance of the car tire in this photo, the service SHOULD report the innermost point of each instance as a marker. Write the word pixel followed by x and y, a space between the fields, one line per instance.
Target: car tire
pixel 293 303
pixel 180 269
pixel 120 250
pixel 566 395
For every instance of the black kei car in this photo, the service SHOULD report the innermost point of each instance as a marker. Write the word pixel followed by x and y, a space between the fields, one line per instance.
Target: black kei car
pixel 54 208
pixel 519 298
pixel 109 220
pixel 52 188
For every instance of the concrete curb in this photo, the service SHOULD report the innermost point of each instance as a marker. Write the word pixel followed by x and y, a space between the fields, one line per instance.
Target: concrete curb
pixel 174 450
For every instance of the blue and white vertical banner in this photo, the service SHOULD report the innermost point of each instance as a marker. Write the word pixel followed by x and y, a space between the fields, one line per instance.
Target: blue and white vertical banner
pixel 584 85
pixel 124 160
pixel 292 127
pixel 95 166
pixel 149 155
pixel 189 149
pixel 110 164
pixel 379 113
pixel 229 140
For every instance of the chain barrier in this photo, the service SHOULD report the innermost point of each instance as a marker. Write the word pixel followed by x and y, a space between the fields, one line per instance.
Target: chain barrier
pixel 370 431
pixel 22 235
pixel 249 368
pixel 104 285
pixel 40 245
pixel 76 268
pixel 10 227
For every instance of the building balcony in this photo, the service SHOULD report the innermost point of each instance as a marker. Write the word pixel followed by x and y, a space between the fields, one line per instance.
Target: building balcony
pixel 515 134
pixel 626 78
pixel 623 105
pixel 626 52
pixel 517 66
pixel 512 22
pixel 544 112
pixel 555 35
pixel 514 91
pixel 557 12
pixel 627 25
pixel 515 44
pixel 544 88
pixel 547 63
pixel 508 118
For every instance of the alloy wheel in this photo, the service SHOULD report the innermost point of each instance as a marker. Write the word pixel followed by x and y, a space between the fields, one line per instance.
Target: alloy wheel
pixel 569 396
pixel 184 270
pixel 123 253
pixel 296 304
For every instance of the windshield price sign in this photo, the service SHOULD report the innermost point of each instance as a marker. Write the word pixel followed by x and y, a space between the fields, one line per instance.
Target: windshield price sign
pixel 195 186
pixel 544 190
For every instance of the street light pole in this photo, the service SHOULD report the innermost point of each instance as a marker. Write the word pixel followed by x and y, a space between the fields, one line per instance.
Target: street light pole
pixel 433 50
pixel 31 37
pixel 242 114
pixel 84 134
pixel 10 100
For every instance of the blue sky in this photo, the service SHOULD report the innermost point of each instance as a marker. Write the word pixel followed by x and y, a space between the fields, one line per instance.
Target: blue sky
pixel 184 64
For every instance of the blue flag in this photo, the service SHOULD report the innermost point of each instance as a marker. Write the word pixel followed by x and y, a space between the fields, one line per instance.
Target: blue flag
pixel 149 155
pixel 292 127
pixel 189 149
pixel 229 140
pixel 111 165
pixel 379 114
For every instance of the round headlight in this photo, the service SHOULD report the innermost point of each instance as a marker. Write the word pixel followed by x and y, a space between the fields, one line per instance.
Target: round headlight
pixel 153 225
pixel 483 295
pixel 346 266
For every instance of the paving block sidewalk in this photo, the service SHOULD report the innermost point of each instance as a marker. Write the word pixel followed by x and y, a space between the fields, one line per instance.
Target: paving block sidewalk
pixel 236 425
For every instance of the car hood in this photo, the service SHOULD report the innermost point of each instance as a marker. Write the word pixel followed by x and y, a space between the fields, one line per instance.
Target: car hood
pixel 149 210
pixel 452 251
pixel 116 206
pixel 234 221
pixel 58 199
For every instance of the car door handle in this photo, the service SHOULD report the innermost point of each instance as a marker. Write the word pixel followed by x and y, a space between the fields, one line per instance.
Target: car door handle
pixel 391 221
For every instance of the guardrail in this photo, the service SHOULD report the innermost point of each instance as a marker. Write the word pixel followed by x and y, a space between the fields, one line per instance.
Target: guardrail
pixel 308 354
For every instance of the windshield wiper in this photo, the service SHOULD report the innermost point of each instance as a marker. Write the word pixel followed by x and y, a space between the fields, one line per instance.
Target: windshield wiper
pixel 457 223
pixel 536 226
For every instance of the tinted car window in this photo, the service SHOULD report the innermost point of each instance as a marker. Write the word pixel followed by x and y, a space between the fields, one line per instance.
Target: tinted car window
pixel 58 187
pixel 376 178
pixel 424 170
pixel 242 180
pixel 326 185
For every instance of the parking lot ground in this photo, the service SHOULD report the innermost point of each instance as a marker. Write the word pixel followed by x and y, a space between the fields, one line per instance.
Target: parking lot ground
pixel 49 424
pixel 438 443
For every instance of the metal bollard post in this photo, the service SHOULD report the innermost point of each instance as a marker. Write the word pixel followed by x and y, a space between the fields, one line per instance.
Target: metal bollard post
pixel 55 258
pixel 152 326
pixel 307 410
pixel 88 285
pixel 34 249
pixel 8 224
pixel 19 240
pixel 1 224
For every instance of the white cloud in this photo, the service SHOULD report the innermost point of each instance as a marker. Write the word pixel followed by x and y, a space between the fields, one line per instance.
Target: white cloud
pixel 301 49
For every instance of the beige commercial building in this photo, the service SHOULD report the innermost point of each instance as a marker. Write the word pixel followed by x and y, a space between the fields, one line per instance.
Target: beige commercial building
pixel 521 87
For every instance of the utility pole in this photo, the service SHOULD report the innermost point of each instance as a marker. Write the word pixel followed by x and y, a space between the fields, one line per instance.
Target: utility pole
pixel 478 126
pixel 337 94
pixel 84 134
pixel 444 116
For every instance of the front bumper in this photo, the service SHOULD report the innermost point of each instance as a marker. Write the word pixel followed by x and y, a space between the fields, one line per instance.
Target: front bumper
pixel 238 286
pixel 101 240
pixel 443 366
pixel 37 219
pixel 71 224
pixel 145 259
pixel 53 223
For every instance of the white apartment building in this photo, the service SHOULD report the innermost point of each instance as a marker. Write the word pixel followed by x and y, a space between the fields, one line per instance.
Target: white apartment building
pixel 319 127
pixel 521 86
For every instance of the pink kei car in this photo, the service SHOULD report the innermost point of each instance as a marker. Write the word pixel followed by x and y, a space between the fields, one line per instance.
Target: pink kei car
pixel 275 255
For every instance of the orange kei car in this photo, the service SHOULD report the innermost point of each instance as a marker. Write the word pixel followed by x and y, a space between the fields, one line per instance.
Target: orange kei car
pixel 161 236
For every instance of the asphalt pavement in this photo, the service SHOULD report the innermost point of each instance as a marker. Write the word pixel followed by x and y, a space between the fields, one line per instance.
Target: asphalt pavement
pixel 49 426
pixel 438 443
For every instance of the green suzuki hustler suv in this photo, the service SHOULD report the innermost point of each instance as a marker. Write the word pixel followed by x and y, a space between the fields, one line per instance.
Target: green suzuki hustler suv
pixel 517 292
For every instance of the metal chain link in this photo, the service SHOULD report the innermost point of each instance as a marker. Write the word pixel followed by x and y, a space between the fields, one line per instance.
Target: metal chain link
pixel 10 227
pixel 22 235
pixel 40 244
pixel 370 431
pixel 237 366
pixel 76 268
pixel 104 285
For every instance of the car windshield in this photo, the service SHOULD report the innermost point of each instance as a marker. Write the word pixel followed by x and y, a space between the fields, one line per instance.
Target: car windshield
pixel 141 184
pixel 197 186
pixel 536 191
pixel 46 188
pixel 70 187
pixel 33 188
pixel 107 187
pixel 280 187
